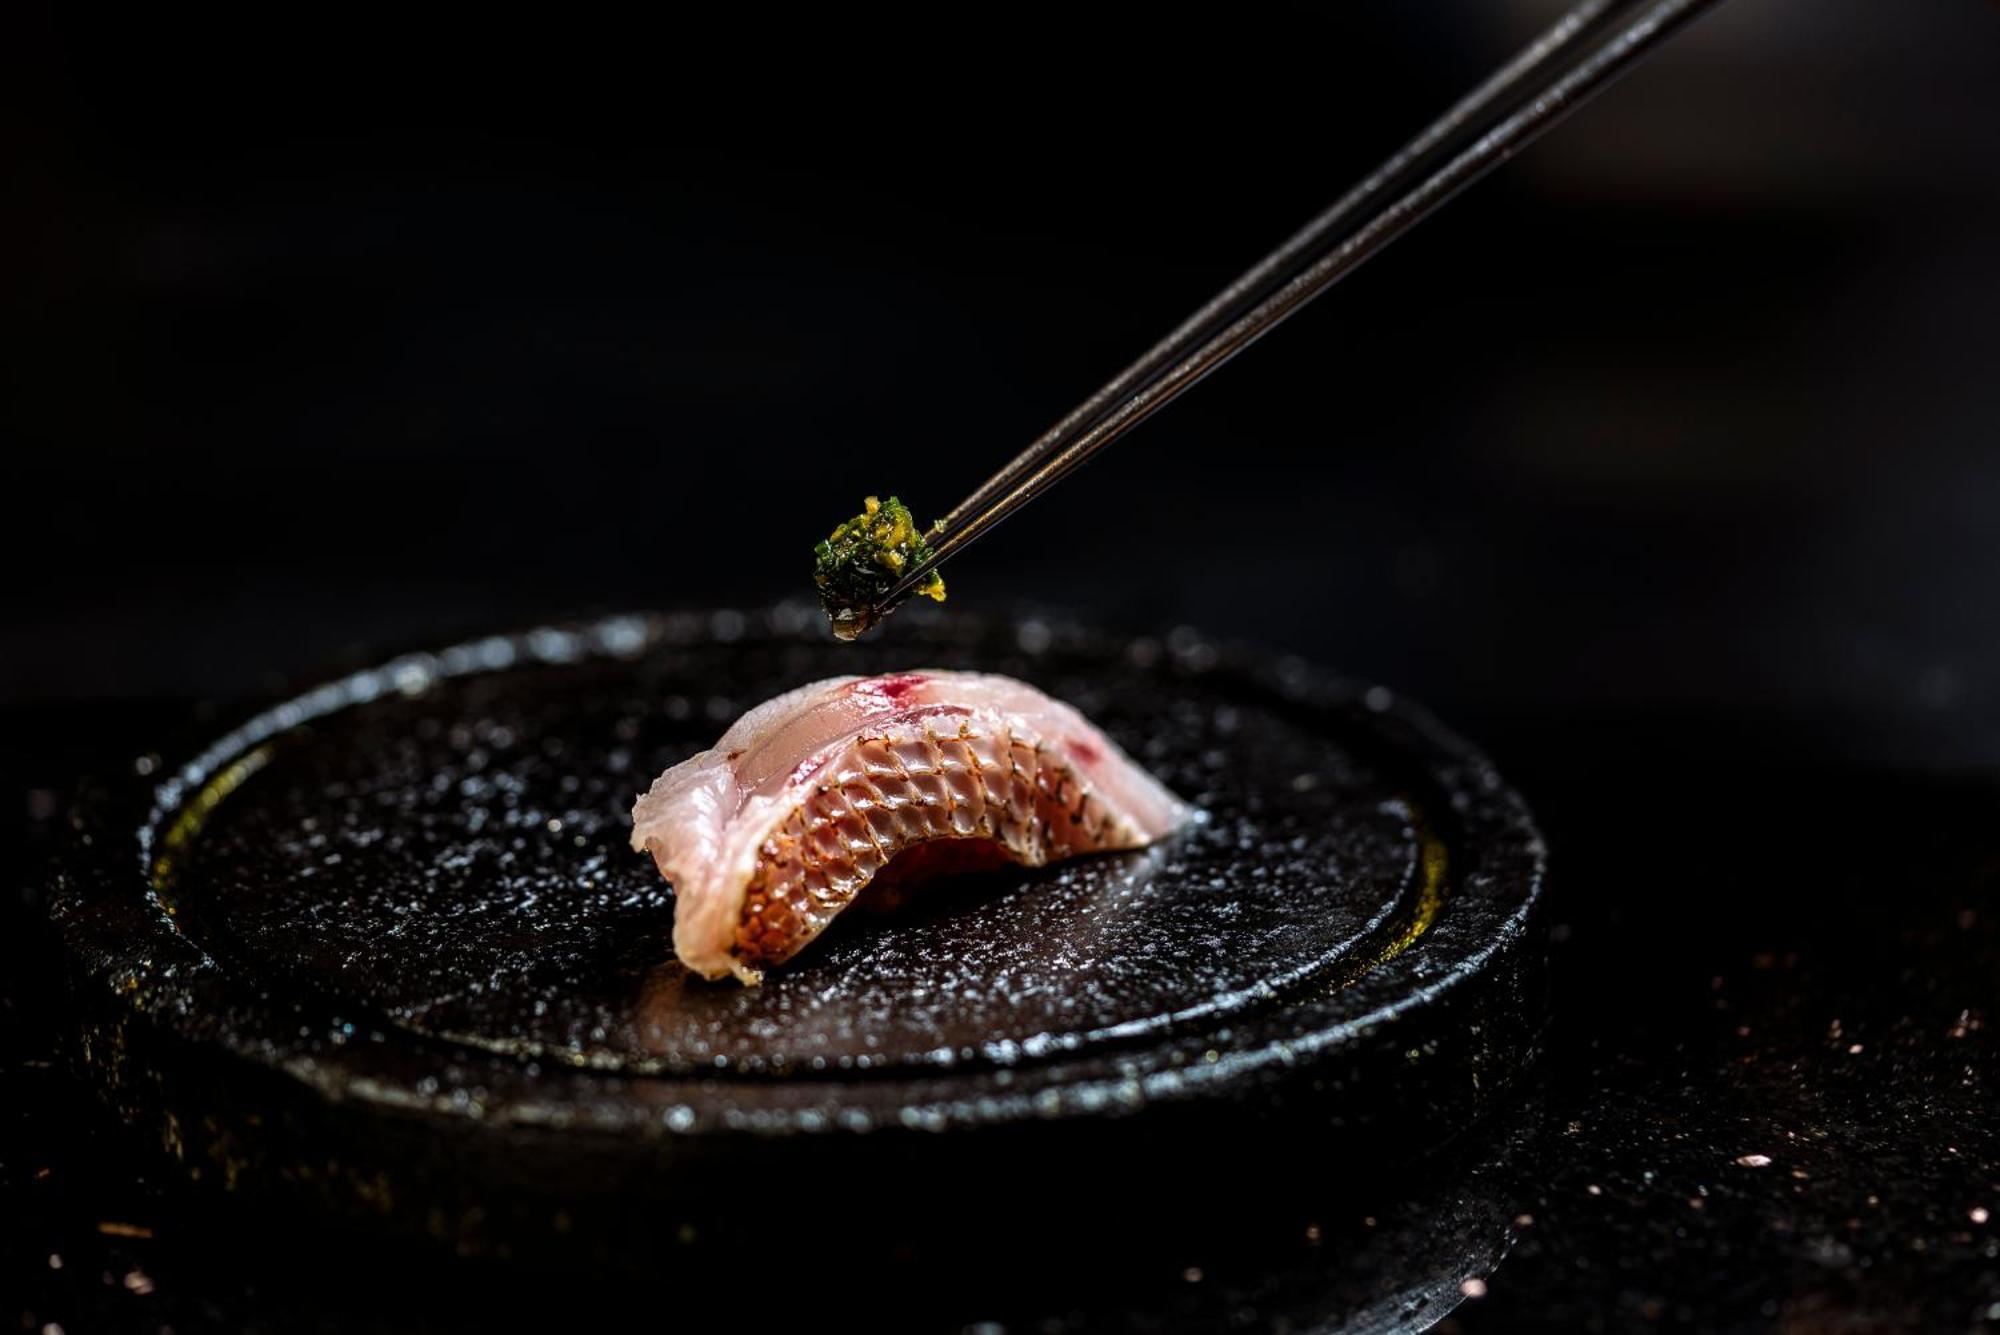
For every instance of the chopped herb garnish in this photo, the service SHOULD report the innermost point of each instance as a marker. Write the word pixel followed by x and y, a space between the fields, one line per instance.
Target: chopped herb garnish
pixel 860 561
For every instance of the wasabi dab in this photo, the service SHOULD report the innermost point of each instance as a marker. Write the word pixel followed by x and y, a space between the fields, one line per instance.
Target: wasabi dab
pixel 860 561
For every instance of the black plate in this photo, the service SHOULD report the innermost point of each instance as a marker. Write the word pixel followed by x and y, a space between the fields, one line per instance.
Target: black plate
pixel 386 942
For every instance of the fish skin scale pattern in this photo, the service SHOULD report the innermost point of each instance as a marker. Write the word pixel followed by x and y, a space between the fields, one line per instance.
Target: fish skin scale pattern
pixel 808 796
pixel 967 784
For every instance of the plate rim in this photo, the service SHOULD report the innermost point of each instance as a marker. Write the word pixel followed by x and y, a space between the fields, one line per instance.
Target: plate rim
pixel 156 976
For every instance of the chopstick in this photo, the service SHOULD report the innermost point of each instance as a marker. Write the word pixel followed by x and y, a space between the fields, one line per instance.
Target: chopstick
pixel 1555 74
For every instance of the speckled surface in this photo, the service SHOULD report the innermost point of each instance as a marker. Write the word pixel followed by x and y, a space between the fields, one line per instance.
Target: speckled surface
pixel 456 863
pixel 383 946
pixel 1724 892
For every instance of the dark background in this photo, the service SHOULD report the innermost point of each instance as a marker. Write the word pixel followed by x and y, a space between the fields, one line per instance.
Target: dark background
pixel 1662 462
pixel 365 330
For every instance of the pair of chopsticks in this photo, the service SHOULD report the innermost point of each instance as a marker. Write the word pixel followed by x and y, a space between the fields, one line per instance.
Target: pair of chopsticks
pixel 1557 73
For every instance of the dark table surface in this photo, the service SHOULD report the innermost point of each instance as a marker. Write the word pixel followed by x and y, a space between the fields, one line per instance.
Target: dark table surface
pixel 1766 1104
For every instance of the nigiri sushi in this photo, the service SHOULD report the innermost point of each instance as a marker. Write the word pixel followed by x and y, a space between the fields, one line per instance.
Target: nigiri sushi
pixel 805 799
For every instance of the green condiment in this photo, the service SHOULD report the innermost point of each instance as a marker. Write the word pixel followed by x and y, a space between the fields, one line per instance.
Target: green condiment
pixel 861 560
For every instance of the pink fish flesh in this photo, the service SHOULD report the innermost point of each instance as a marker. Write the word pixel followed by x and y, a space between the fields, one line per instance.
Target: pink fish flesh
pixel 772 832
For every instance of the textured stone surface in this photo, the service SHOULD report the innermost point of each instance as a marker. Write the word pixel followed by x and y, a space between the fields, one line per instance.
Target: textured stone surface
pixel 456 863
pixel 380 947
pixel 1687 849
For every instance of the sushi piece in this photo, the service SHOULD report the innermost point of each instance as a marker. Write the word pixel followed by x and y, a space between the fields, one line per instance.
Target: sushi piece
pixel 772 832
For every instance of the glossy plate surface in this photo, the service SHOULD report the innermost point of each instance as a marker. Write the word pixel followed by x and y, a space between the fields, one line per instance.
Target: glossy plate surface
pixel 387 939
pixel 452 859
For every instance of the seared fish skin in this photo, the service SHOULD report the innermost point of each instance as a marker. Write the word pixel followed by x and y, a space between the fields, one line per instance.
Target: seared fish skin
pixel 774 830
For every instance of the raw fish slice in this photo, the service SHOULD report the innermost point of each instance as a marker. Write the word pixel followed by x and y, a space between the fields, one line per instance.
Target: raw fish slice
pixel 773 831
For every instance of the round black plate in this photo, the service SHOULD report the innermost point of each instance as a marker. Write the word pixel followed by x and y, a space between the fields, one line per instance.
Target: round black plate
pixel 387 940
